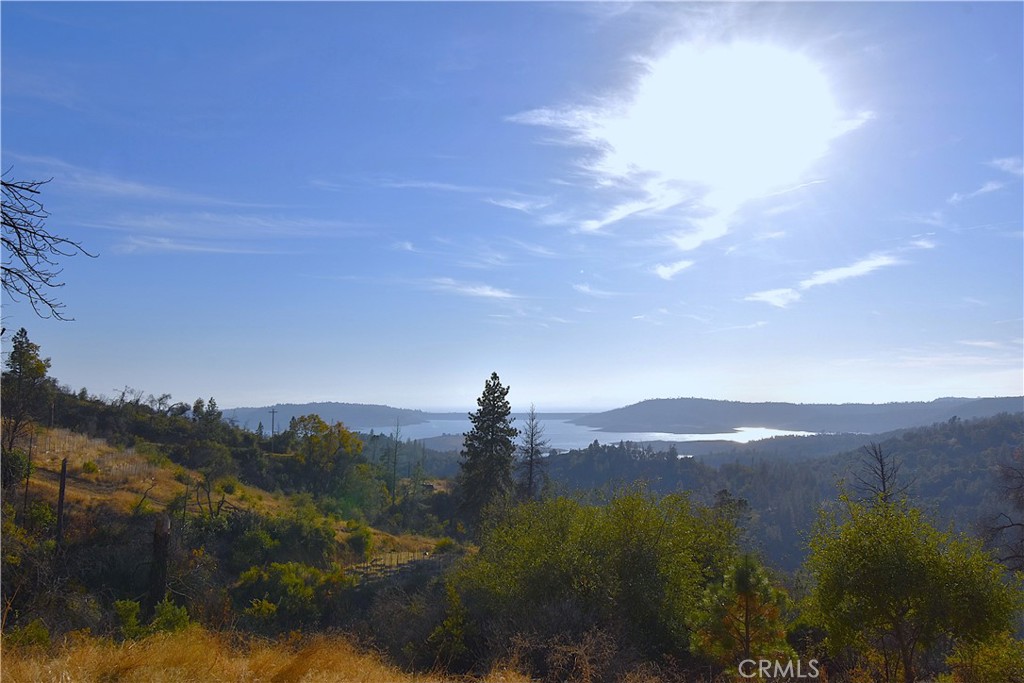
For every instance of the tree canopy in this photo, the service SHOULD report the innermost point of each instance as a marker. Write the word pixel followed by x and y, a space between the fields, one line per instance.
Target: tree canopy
pixel 887 582
pixel 25 386
pixel 488 452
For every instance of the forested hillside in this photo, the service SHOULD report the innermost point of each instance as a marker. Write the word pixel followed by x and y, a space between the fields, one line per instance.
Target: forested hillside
pixel 127 519
pixel 952 469
pixel 705 416
pixel 355 415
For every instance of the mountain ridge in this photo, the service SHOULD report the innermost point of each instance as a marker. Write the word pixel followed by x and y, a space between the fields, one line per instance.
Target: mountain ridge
pixel 672 415
pixel 703 416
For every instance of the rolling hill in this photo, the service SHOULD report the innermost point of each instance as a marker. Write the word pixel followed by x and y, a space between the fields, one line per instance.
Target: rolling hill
pixel 706 416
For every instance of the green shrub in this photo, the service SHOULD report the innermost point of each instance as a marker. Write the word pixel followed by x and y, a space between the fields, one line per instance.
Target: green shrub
pixel 89 467
pixel 253 547
pixel 128 616
pixel 445 545
pixel 166 617
pixel 301 595
pixel 32 634
pixel 41 516
pixel 152 452
pixel 556 570
pixel 997 660
pixel 360 541
pixel 13 467
pixel 449 638
pixel 261 609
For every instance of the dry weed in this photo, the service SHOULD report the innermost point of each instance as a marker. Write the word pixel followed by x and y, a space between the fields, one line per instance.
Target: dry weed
pixel 196 655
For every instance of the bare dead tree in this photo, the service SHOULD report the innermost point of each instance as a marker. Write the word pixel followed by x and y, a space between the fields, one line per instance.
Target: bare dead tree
pixel 31 253
pixel 531 463
pixel 1005 530
pixel 879 477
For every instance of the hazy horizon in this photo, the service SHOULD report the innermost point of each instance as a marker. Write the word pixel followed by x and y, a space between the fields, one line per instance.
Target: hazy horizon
pixel 518 411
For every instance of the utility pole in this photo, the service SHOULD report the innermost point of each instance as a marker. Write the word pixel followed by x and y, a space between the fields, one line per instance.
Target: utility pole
pixel 394 462
pixel 273 414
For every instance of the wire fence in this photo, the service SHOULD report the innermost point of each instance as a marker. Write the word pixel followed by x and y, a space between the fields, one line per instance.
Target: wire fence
pixel 396 563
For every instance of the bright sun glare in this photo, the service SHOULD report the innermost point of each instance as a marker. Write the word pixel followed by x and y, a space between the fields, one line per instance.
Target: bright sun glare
pixel 737 119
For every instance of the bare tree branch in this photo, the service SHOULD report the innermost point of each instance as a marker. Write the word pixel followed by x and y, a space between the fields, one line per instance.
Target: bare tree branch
pixel 31 253
pixel 1005 532
pixel 880 474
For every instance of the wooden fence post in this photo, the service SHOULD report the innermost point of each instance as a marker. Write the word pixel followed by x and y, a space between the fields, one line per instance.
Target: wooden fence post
pixel 158 567
pixel 28 476
pixel 60 504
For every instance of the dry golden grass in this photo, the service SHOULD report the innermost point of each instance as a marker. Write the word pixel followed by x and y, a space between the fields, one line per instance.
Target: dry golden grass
pixel 119 480
pixel 198 655
pixel 121 477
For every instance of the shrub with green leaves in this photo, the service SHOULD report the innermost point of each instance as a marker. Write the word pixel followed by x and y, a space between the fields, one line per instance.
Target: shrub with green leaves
pixel 557 569
pixel 891 586
pixel 360 541
pixel 14 466
pixel 32 635
pixel 167 617
pixel 301 595
pixel 999 659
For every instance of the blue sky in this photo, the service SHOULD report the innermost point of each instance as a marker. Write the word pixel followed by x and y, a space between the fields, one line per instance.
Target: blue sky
pixel 384 202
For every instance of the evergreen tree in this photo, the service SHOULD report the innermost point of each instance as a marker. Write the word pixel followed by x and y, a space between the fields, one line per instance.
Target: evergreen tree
pixel 742 617
pixel 488 453
pixel 26 387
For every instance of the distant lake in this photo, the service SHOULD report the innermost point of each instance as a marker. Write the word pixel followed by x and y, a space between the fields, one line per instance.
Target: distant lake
pixel 562 434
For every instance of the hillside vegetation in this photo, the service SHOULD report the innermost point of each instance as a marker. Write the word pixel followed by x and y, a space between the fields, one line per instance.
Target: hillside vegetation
pixel 179 546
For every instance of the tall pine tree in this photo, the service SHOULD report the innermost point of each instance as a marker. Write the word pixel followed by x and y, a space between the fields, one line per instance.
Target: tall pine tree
pixel 488 453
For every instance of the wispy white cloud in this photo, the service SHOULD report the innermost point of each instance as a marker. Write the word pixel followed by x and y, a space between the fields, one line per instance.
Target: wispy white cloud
pixel 1012 165
pixel 783 297
pixel 940 360
pixel 403 245
pixel 780 298
pixel 534 249
pixel 585 288
pixel 702 230
pixel 225 225
pixel 935 218
pixel 470 289
pixel 750 326
pixel 149 244
pixel 669 271
pixel 797 187
pixel 525 205
pixel 982 344
pixel 647 318
pixel 486 257
pixel 96 183
pixel 433 185
pixel 858 269
pixel 654 202
pixel 990 186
